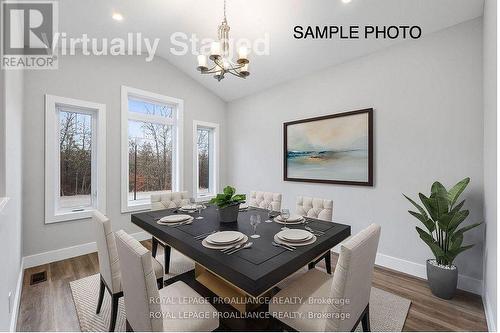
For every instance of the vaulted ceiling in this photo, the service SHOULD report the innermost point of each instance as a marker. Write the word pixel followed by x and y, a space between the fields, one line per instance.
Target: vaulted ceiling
pixel 288 58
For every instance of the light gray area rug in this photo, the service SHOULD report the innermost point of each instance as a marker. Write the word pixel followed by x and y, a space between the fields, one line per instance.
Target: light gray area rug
pixel 387 311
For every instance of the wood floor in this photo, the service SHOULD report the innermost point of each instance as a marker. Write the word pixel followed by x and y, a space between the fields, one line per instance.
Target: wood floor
pixel 48 306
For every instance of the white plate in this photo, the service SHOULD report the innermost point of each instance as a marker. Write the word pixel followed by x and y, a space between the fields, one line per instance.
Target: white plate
pixel 225 243
pixel 222 247
pixel 188 221
pixel 294 235
pixel 278 240
pixel 277 220
pixel 174 218
pixel 224 237
pixel 292 218
pixel 190 207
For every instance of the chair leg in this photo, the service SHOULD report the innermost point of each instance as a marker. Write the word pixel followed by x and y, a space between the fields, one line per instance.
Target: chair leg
pixel 154 247
pixel 101 297
pixel 328 262
pixel 159 282
pixel 167 250
pixel 114 312
pixel 365 321
pixel 128 328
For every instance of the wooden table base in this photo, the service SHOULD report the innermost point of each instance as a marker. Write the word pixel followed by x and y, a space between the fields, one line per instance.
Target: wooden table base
pixel 230 293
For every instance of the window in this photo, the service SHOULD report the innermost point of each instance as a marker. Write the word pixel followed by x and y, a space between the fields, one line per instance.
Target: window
pixel 75 152
pixel 206 159
pixel 151 146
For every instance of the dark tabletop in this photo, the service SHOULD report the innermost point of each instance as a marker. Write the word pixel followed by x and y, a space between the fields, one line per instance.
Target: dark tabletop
pixel 254 270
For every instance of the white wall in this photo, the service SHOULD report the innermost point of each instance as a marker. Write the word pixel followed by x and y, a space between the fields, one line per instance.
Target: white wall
pixel 428 123
pixel 490 161
pixel 10 211
pixel 98 79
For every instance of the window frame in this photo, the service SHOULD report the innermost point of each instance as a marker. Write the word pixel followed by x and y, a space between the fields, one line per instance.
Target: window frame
pixel 177 129
pixel 52 157
pixel 214 162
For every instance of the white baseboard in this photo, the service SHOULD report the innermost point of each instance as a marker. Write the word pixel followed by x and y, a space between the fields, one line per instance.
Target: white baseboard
pixel 69 252
pixel 490 317
pixel 17 299
pixel 419 270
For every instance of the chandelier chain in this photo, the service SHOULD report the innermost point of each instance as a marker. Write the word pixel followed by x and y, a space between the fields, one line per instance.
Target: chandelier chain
pixel 224 10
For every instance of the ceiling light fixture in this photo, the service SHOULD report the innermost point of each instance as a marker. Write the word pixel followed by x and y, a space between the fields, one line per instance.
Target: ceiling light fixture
pixel 346 1
pixel 219 53
pixel 117 17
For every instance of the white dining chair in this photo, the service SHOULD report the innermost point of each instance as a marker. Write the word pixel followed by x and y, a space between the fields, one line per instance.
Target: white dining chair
pixel 261 199
pixel 109 266
pixel 149 309
pixel 174 262
pixel 321 209
pixel 344 296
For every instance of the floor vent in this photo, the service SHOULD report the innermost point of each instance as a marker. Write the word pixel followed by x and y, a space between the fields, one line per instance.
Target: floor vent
pixel 38 277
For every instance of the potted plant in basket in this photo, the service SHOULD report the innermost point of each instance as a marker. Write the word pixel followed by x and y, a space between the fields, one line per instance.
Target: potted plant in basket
pixel 228 204
pixel 442 216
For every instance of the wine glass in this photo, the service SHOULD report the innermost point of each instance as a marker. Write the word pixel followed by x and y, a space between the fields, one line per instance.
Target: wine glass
pixel 254 222
pixel 285 215
pixel 269 213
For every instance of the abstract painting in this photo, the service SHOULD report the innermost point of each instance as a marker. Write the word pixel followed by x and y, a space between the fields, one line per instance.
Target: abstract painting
pixel 335 149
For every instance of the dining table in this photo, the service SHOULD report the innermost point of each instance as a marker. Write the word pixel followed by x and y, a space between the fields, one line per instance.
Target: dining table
pixel 250 273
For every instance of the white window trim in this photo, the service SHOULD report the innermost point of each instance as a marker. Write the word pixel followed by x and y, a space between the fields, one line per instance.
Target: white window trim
pixel 52 168
pixel 178 121
pixel 216 159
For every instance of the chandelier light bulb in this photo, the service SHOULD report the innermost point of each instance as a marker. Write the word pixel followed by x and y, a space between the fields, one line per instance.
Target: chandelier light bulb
pixel 243 52
pixel 215 49
pixel 202 62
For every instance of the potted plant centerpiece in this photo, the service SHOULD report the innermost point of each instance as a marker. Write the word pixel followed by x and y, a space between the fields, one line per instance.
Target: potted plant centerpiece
pixel 442 216
pixel 228 204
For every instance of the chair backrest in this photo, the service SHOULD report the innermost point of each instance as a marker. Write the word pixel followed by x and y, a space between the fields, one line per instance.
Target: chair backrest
pixel 315 207
pixel 109 264
pixel 142 299
pixel 264 199
pixel 165 200
pixel 352 279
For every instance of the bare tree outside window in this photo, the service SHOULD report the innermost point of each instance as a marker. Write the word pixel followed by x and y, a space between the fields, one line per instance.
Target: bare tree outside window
pixel 203 160
pixel 150 152
pixel 75 149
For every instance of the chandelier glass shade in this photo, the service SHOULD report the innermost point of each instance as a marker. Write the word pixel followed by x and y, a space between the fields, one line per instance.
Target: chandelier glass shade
pixel 221 64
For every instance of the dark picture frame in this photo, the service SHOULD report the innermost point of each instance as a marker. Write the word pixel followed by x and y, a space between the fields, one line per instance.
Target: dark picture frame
pixel 369 182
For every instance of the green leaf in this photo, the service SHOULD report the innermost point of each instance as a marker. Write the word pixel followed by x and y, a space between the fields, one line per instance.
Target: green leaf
pixel 239 197
pixel 438 190
pixel 429 240
pixel 229 191
pixel 458 207
pixel 429 224
pixel 467 228
pixel 427 204
pixel 436 206
pixel 452 254
pixel 420 209
pixel 456 190
pixel 456 242
pixel 457 218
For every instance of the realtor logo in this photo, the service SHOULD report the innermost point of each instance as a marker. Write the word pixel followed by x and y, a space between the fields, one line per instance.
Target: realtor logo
pixel 28 34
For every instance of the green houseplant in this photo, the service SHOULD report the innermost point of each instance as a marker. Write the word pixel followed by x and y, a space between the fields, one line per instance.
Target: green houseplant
pixel 442 216
pixel 228 204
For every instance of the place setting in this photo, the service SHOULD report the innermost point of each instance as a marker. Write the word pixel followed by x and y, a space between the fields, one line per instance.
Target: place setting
pixel 228 242
pixel 290 239
pixel 175 220
pixel 193 208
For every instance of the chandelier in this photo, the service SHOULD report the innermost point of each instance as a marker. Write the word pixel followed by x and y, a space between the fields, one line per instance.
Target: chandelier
pixel 219 54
